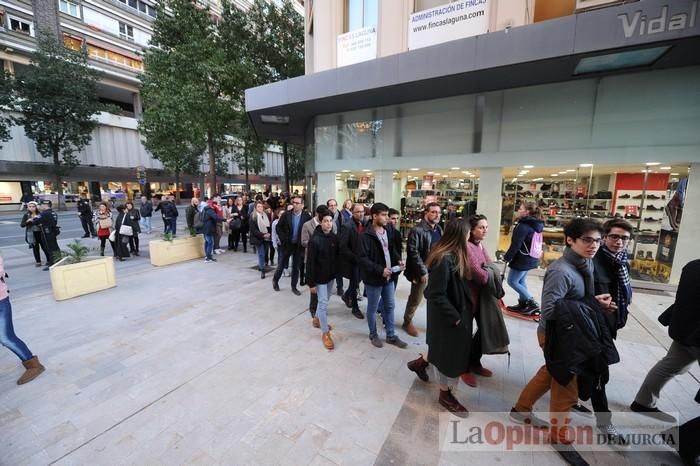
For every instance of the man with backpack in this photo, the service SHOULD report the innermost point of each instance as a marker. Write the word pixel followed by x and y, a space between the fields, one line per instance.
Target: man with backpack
pixel 205 222
pixel 524 255
pixel 168 210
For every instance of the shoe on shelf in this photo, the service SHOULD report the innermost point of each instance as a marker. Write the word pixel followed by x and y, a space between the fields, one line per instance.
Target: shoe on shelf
pixel 296 292
pixel 638 196
pixel 450 403
pixel 468 379
pixel 376 341
pixel 327 340
pixel 656 413
pixel 528 419
pixel 624 196
pixel 358 313
pixel 614 438
pixel 396 341
pixel 410 329
pixel 582 410
pixel 419 366
pixel 482 371
pixel 569 454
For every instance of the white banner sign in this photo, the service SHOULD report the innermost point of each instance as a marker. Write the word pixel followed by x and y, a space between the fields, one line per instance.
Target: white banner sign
pixel 452 21
pixel 357 46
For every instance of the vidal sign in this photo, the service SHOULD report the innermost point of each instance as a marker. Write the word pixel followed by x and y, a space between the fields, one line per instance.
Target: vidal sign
pixel 639 24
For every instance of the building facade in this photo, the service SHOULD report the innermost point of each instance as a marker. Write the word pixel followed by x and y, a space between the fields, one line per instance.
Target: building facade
pixel 116 34
pixel 588 108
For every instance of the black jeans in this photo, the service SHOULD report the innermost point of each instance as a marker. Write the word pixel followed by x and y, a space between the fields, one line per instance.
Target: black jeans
pixel 87 224
pixel 238 237
pixel 351 292
pixel 272 253
pixel 296 252
pixel 476 352
pixel 313 303
pixel 134 243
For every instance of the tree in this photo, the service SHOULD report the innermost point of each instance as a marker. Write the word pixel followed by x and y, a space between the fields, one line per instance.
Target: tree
pixel 5 104
pixel 57 100
pixel 191 80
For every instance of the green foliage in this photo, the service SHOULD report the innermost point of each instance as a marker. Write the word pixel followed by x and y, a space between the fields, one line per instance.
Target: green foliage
pixel 76 252
pixel 5 103
pixel 192 231
pixel 297 162
pixel 57 100
pixel 168 236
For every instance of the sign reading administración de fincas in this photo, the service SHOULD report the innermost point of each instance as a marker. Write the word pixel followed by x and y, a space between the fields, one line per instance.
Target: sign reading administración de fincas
pixel 456 20
pixel 357 46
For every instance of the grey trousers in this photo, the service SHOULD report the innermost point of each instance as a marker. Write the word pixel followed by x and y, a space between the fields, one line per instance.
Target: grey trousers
pixel 414 300
pixel 677 361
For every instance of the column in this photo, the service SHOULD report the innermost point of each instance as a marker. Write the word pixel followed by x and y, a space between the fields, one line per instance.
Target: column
pixel 689 231
pixel 325 187
pixel 489 203
pixel 138 107
pixel 384 188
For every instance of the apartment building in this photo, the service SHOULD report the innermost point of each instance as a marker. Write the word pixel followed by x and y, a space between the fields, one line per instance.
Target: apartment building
pixel 116 34
pixel 586 107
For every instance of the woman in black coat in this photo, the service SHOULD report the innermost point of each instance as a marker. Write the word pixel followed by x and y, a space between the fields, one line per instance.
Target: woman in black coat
pixel 450 314
pixel 121 242
pixel 134 218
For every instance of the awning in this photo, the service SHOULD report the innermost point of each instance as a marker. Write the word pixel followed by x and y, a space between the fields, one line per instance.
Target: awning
pixel 540 53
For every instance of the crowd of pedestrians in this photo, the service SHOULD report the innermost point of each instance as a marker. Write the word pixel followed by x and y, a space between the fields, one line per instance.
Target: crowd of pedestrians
pixel 584 303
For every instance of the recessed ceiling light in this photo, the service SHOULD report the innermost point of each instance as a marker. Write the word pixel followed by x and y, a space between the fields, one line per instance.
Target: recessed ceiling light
pixel 366 170
pixel 524 171
pixel 471 176
pixel 562 173
pixel 345 171
pixel 444 176
pixel 395 173
pixel 664 168
pixel 430 173
pixel 652 164
pixel 646 171
pixel 414 169
pixel 454 168
pixel 555 174
pixel 586 165
pixel 538 179
pixel 571 170
pixel 437 174
pixel 675 174
pixel 513 180
pixel 528 166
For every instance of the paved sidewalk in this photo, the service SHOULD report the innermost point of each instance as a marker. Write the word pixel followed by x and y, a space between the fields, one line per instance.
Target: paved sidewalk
pixel 204 363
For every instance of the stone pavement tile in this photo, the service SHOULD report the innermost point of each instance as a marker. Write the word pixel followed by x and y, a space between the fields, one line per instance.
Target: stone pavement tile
pixel 320 460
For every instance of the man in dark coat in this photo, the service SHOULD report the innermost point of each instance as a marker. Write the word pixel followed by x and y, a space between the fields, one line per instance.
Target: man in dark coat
pixel 209 221
pixel 349 257
pixel 146 211
pixel 332 205
pixel 48 221
pixel 683 320
pixel 289 233
pixel 379 260
pixel 85 214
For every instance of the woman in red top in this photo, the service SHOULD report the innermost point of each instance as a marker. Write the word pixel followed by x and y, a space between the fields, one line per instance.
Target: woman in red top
pixel 478 257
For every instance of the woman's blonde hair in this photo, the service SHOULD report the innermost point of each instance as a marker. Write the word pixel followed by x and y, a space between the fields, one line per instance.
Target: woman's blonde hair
pixel 453 241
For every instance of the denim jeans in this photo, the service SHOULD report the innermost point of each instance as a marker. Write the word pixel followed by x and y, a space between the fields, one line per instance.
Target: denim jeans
pixel 171 226
pixel 324 292
pixel 208 245
pixel 517 279
pixel 7 332
pixel 146 224
pixel 261 251
pixel 386 294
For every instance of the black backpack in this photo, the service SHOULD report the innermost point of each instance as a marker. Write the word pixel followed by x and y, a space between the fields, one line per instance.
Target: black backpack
pixel 200 218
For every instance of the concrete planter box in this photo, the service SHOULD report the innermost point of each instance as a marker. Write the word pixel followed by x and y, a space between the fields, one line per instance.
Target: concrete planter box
pixel 92 274
pixel 178 250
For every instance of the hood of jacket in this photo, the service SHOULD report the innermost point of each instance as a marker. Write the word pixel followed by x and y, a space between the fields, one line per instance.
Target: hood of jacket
pixel 534 223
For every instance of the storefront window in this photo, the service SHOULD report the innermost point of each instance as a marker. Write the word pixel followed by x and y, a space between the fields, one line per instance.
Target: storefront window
pixel 650 198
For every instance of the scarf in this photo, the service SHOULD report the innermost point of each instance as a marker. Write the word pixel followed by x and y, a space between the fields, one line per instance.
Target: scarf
pixel 624 287
pixel 263 222
pixel 584 267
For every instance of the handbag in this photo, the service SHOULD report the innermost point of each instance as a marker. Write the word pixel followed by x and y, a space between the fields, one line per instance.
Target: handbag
pixel 125 230
pixel 112 236
pixel 235 224
pixel 106 222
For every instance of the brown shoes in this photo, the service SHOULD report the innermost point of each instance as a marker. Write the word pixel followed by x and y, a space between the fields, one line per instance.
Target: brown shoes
pixel 410 329
pixel 317 323
pixel 450 403
pixel 327 340
pixel 32 370
pixel 419 366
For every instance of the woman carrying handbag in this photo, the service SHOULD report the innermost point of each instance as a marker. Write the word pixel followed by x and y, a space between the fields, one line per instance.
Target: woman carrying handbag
pixel 103 223
pixel 134 217
pixel 123 231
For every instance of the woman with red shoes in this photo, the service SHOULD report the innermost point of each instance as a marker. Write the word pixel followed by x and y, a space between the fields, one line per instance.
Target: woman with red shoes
pixel 478 258
pixel 450 314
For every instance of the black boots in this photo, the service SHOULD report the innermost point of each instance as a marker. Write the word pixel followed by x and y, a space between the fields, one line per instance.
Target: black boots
pixel 102 251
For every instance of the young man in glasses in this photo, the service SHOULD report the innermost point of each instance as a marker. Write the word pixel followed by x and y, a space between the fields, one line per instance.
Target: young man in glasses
pixel 568 279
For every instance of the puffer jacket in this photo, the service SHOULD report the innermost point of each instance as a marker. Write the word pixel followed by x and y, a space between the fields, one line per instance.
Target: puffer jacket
pixel 322 255
pixel 518 254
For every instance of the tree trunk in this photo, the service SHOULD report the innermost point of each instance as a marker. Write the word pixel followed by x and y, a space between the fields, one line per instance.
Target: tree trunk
pixel 286 167
pixel 177 187
pixel 212 164
pixel 59 184
pixel 247 181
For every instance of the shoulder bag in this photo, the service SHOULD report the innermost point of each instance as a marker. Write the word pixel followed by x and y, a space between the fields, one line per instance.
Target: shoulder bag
pixel 124 229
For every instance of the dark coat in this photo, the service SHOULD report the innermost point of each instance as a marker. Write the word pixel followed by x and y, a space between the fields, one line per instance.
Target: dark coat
pixel 349 248
pixel 417 249
pixel 47 221
pixel 578 341
pixel 518 255
pixel 210 220
pixel 605 276
pixel 84 208
pixel 683 317
pixel 372 259
pixel 448 301
pixel 243 215
pixel 321 259
pixel 146 209
pixel 120 242
pixel 284 228
pixel 257 237
pixel 167 209
pixel 190 212
pixel 134 217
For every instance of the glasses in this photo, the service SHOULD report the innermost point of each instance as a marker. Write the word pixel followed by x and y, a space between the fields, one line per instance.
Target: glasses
pixel 616 238
pixel 588 240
